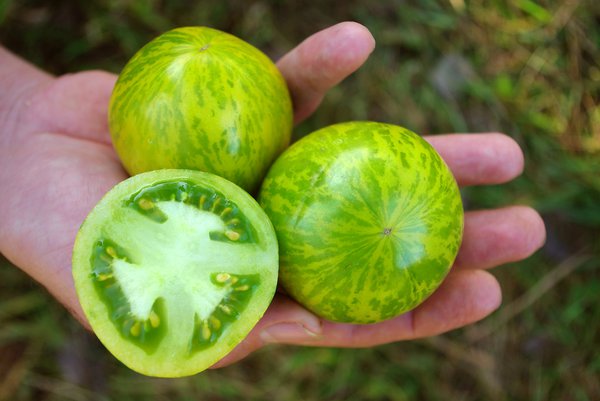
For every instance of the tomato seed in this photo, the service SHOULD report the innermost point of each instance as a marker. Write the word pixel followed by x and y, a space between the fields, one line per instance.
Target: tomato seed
pixel 145 204
pixel 232 235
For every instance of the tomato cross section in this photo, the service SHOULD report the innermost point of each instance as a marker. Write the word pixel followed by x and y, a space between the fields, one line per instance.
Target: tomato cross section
pixel 173 268
pixel 172 273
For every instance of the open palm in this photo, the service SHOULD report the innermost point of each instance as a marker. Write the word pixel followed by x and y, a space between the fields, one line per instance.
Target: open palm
pixel 56 162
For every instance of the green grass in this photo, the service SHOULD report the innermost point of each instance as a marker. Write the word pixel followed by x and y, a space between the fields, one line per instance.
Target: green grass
pixel 527 68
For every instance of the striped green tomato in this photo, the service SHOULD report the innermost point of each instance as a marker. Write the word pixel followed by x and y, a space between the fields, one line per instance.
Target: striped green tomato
pixel 173 268
pixel 198 98
pixel 368 217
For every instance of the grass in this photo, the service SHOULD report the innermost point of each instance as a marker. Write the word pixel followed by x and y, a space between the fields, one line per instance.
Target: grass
pixel 527 68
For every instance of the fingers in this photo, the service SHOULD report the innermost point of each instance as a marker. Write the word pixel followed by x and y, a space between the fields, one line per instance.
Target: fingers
pixel 465 297
pixel 480 158
pixel 495 237
pixel 75 105
pixel 317 64
pixel 322 61
pixel 284 322
pixel 18 80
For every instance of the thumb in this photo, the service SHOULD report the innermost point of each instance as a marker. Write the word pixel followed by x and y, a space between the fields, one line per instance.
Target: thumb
pixel 74 105
pixel 322 61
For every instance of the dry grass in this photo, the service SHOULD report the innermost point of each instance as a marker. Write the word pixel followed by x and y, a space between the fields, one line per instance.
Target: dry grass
pixel 530 69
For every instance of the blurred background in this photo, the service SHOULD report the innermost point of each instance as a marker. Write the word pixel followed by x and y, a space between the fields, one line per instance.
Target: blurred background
pixel 528 68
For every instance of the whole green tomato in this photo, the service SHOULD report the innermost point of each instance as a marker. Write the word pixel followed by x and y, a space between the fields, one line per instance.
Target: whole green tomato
pixel 368 217
pixel 198 98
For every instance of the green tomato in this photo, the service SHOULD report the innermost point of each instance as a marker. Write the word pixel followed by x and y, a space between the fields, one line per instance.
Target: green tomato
pixel 369 220
pixel 197 98
pixel 173 268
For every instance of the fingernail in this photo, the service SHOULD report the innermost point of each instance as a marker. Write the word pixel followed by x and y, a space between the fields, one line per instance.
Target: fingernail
pixel 289 333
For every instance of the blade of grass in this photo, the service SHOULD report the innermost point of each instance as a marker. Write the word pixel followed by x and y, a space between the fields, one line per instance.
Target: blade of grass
pixel 21 305
pixel 551 279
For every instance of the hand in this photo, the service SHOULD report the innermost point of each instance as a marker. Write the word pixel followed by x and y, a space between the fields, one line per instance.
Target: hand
pixel 57 162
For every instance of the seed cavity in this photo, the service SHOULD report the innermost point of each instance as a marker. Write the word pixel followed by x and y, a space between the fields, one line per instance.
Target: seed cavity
pixel 147 202
pixel 144 333
pixel 238 292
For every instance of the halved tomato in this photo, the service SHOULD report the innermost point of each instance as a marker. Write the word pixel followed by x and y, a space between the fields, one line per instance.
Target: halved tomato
pixel 173 268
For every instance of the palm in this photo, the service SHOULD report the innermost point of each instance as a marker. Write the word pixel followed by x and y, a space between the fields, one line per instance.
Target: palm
pixel 63 177
pixel 64 164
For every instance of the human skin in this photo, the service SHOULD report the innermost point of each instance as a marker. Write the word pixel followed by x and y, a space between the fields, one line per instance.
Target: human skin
pixel 56 162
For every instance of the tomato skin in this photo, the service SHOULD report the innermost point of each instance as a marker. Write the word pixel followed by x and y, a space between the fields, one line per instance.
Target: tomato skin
pixel 368 217
pixel 198 98
pixel 161 243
